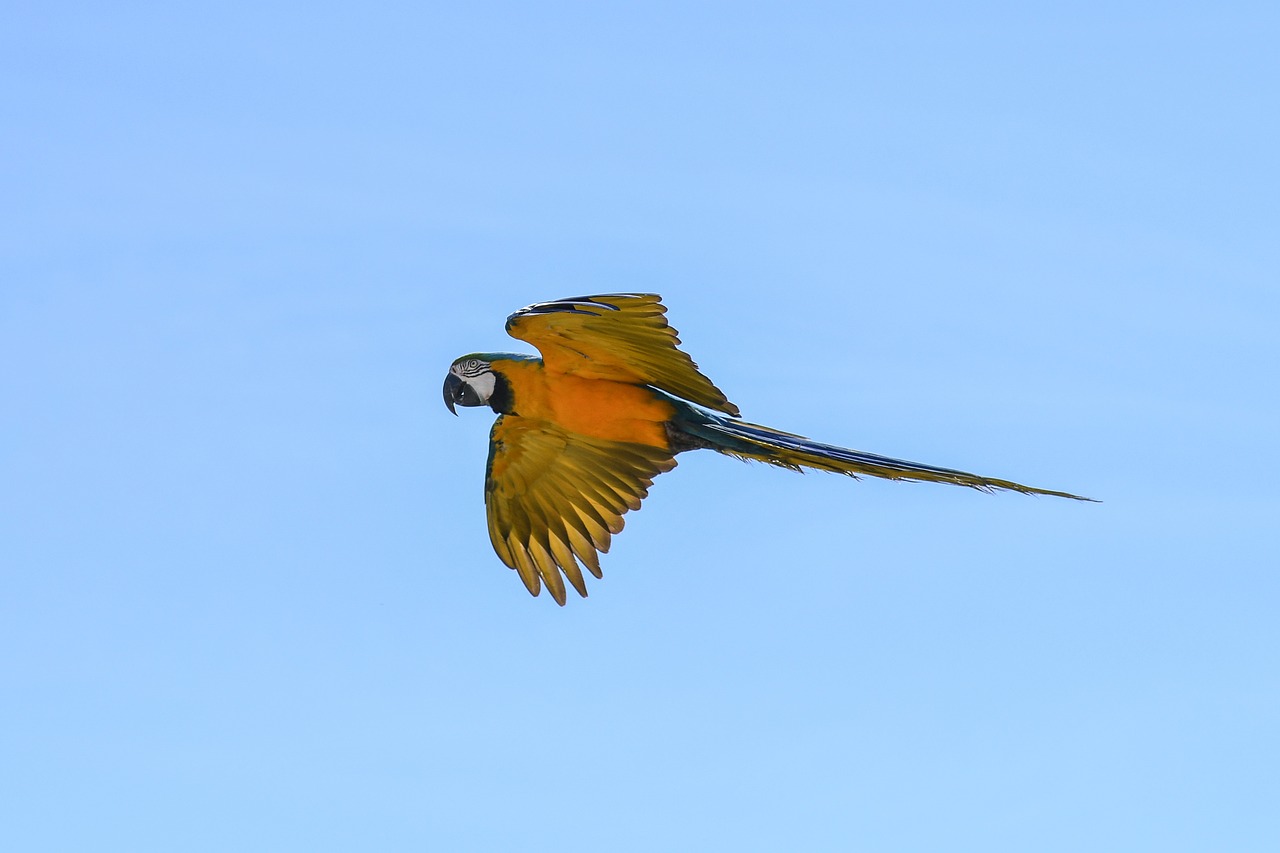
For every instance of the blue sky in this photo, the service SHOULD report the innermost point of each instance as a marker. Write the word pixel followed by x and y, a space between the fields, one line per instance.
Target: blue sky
pixel 247 598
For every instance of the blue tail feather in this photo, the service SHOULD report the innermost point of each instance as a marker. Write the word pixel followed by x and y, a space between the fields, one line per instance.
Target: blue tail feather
pixel 696 427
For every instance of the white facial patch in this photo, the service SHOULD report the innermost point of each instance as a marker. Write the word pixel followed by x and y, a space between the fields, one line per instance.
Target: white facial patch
pixel 483 384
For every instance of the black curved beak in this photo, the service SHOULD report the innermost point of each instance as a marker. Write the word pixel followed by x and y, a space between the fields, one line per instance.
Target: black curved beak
pixel 453 389
pixel 459 392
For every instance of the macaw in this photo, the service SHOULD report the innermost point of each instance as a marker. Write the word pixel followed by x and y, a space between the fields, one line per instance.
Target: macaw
pixel 582 431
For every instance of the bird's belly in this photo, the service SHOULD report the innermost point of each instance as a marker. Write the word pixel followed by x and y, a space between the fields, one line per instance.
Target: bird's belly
pixel 614 411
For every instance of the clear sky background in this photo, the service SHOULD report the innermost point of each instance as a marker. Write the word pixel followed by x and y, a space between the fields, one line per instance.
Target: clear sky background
pixel 247 599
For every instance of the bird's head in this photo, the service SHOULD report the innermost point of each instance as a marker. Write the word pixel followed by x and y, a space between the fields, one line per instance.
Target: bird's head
pixel 473 381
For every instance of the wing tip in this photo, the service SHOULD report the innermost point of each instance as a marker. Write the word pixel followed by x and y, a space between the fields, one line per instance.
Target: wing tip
pixel 582 304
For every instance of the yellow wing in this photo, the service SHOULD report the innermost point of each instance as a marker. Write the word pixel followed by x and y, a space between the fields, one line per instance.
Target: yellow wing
pixel 618 336
pixel 554 498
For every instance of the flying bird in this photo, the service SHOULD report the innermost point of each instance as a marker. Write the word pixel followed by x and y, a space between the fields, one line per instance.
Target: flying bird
pixel 583 430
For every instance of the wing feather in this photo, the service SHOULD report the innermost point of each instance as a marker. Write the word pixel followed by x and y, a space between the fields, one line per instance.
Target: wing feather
pixel 555 498
pixel 619 336
pixel 580 542
pixel 564 558
pixel 523 565
pixel 547 569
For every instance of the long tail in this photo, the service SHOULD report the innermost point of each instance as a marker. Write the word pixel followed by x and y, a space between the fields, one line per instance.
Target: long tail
pixel 752 441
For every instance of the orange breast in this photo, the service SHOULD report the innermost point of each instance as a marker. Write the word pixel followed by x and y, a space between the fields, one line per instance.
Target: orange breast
pixel 615 411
